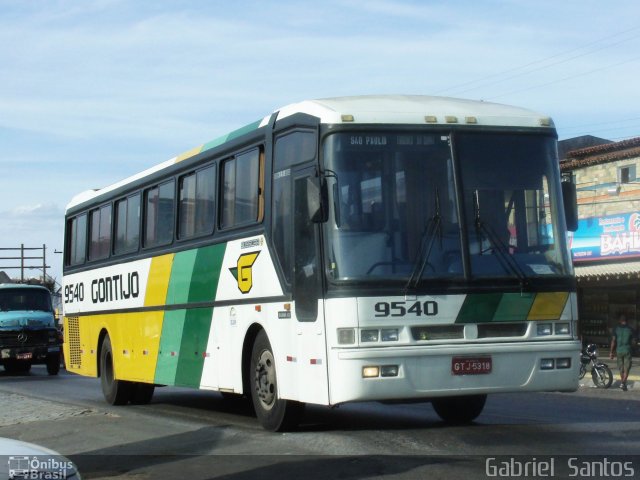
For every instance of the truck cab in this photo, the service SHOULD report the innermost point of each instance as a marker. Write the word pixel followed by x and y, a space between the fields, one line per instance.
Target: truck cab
pixel 28 330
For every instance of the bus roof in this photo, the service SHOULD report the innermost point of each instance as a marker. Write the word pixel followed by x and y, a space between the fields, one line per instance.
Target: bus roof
pixel 415 109
pixel 368 109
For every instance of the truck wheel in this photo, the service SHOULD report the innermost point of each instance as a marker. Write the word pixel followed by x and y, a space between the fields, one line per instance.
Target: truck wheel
pixel 459 410
pixel 116 392
pixel 274 414
pixel 53 364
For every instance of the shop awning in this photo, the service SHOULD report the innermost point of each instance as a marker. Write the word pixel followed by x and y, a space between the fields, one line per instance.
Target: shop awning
pixel 609 271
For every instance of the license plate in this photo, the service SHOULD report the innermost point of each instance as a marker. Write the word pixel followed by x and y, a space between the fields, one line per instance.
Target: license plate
pixel 24 356
pixel 470 365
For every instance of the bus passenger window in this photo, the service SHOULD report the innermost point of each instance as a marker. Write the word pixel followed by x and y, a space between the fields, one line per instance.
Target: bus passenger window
pixel 127 225
pixel 159 215
pixel 100 233
pixel 241 189
pixel 196 203
pixel 76 240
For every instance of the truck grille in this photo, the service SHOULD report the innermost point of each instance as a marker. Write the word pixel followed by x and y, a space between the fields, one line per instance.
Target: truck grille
pixel 73 337
pixel 24 338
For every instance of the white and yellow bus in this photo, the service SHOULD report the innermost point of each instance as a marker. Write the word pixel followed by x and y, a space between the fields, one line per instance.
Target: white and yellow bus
pixel 338 250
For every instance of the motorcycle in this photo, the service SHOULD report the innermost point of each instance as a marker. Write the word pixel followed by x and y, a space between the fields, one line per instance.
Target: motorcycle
pixel 600 372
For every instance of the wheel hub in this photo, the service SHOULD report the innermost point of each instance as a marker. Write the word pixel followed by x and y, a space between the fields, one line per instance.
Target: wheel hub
pixel 265 379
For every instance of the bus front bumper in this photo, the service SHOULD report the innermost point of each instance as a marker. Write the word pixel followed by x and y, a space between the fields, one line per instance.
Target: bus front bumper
pixel 415 372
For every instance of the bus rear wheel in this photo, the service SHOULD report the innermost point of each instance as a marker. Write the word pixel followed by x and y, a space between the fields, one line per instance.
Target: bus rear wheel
pixel 459 410
pixel 116 392
pixel 141 393
pixel 275 414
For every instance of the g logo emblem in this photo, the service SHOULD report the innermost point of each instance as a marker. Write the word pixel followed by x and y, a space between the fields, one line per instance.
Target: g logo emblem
pixel 243 272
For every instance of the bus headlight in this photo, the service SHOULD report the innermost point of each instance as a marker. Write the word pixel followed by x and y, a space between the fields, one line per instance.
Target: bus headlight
pixel 369 335
pixel 547 364
pixel 562 329
pixel 544 329
pixel 346 336
pixel 370 372
pixel 389 335
pixel 389 371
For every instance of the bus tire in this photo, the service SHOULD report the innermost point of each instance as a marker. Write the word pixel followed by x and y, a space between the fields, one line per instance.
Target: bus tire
pixel 459 410
pixel 53 364
pixel 116 392
pixel 275 414
pixel 141 393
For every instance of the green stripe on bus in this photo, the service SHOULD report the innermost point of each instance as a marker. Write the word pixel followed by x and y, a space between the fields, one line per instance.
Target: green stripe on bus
pixel 185 333
pixel 195 336
pixel 206 273
pixel 230 136
pixel 181 273
pixel 480 307
pixel 514 307
pixel 170 342
pixel 495 307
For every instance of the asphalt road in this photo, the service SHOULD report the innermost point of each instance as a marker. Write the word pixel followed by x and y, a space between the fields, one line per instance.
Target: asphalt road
pixel 196 434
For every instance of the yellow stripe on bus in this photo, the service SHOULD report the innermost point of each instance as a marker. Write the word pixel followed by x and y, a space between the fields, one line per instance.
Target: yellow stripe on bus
pixel 189 153
pixel 135 340
pixel 158 281
pixel 548 306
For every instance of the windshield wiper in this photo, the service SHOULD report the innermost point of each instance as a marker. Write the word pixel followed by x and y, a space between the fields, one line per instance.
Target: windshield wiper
pixel 427 240
pixel 498 246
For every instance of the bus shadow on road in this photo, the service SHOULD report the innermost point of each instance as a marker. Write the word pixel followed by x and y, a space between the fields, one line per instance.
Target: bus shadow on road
pixel 195 454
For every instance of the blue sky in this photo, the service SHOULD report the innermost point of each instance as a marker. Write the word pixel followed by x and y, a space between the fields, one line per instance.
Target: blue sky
pixel 92 91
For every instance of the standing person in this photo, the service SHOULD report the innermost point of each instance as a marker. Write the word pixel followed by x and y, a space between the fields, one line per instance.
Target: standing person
pixel 621 343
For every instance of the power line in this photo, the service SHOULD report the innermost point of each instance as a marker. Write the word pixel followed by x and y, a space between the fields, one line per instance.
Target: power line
pixel 566 52
pixel 602 123
pixel 570 77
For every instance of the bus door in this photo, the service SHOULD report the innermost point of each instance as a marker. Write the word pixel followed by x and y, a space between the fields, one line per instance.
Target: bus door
pixel 308 301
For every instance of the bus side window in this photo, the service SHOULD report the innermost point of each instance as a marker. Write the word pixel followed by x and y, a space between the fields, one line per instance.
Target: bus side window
pixel 307 279
pixel 196 212
pixel 291 148
pixel 159 214
pixel 127 225
pixel 241 189
pixel 76 245
pixel 100 232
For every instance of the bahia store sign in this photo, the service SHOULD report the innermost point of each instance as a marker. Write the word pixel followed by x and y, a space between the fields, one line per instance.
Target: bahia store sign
pixel 613 236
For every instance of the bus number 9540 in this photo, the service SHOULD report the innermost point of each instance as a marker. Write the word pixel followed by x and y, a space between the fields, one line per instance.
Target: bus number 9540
pixel 401 309
pixel 74 293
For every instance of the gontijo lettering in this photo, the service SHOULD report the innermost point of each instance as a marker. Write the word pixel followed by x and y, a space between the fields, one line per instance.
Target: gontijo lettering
pixel 116 287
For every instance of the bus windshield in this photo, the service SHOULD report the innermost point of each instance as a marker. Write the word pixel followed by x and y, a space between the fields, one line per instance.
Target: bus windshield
pixel 398 212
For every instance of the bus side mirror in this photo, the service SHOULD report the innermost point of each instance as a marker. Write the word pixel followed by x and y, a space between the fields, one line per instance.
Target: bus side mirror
pixel 317 199
pixel 569 198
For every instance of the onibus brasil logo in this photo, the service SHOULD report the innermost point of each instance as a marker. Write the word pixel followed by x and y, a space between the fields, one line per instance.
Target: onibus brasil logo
pixel 243 271
pixel 40 468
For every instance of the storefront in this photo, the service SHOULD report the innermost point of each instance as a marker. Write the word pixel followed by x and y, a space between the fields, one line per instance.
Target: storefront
pixel 606 256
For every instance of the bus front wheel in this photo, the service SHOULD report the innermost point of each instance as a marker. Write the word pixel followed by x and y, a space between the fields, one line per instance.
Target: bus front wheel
pixel 274 414
pixel 116 392
pixel 459 410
